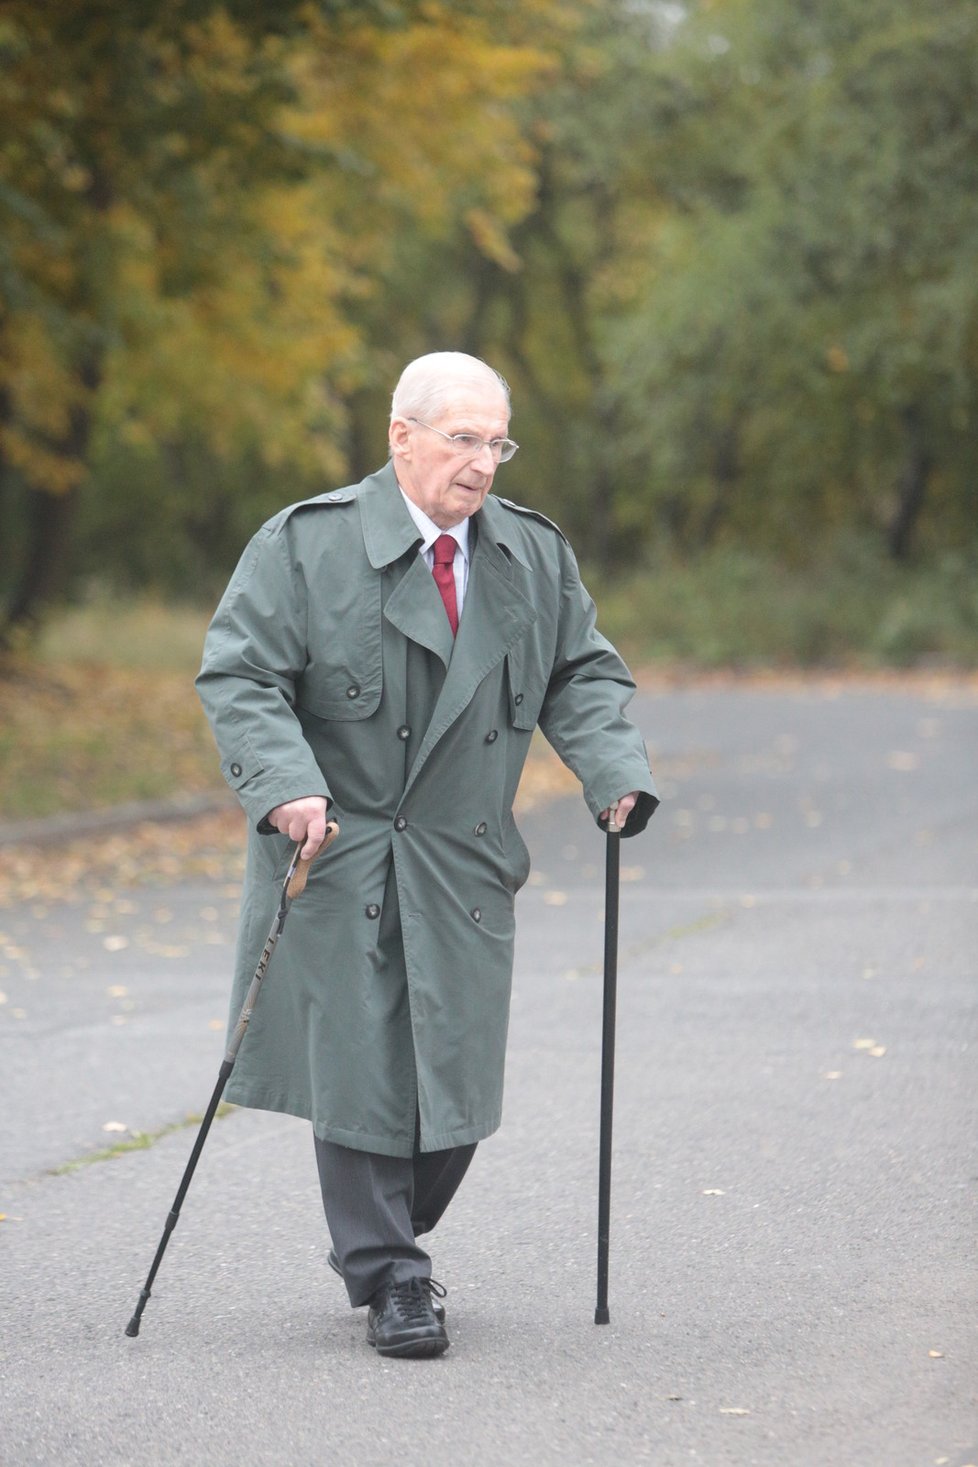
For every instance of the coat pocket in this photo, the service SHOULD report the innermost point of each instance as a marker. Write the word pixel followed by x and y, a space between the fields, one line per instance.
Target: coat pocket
pixel 527 688
pixel 340 694
pixel 343 679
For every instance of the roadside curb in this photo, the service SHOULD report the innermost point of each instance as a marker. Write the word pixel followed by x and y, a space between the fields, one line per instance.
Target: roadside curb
pixel 57 828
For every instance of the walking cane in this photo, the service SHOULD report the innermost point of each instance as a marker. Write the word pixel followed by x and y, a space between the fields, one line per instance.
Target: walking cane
pixel 612 852
pixel 293 886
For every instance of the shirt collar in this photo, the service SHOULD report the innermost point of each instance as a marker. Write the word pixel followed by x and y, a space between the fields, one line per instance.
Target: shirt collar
pixel 430 531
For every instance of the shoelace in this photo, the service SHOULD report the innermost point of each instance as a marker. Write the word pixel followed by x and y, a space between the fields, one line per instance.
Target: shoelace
pixel 413 1297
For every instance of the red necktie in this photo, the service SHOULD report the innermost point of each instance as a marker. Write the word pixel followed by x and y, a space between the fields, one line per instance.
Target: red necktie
pixel 444 548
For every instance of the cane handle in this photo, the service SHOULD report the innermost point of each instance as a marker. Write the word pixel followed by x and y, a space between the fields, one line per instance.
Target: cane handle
pixel 613 827
pixel 298 883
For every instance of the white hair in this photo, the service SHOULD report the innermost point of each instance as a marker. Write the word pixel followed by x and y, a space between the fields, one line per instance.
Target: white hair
pixel 428 384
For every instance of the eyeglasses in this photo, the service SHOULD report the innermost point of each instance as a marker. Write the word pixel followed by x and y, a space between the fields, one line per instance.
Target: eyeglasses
pixel 502 449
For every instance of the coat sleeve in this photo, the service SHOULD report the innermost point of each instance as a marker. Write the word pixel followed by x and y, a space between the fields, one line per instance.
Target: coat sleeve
pixel 254 652
pixel 583 712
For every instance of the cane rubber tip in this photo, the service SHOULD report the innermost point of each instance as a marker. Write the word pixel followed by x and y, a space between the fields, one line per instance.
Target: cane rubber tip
pixel 132 1328
pixel 601 1316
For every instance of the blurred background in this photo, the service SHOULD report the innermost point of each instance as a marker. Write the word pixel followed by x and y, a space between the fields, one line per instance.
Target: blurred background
pixel 725 252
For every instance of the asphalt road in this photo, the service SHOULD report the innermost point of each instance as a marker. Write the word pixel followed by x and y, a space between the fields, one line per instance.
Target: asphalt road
pixel 793 1268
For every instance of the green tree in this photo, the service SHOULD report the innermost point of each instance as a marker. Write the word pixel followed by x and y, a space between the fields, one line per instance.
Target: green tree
pixel 801 350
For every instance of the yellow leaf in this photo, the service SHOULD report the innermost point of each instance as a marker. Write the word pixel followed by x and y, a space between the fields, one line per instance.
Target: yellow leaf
pixel 903 760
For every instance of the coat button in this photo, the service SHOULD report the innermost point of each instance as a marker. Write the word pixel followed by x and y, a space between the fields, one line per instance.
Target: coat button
pixel 481 828
pixel 400 823
pixel 476 914
pixel 404 732
pixel 518 699
pixel 372 911
pixel 353 691
pixel 492 736
pixel 236 770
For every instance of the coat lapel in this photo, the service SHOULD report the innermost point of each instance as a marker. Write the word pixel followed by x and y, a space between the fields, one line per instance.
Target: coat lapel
pixel 495 615
pixel 414 606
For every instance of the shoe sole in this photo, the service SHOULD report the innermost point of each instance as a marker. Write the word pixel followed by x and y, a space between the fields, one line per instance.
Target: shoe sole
pixel 411 1349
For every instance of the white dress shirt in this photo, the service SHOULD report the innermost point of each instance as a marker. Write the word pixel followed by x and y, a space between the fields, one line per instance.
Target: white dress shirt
pixel 431 532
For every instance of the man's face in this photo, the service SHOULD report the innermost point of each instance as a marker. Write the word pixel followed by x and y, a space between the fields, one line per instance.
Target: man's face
pixel 447 484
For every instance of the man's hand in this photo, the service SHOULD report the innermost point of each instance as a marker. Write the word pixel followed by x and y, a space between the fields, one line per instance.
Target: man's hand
pixel 303 820
pixel 626 804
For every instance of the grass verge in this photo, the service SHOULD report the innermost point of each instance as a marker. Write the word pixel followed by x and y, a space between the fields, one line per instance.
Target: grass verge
pixel 846 609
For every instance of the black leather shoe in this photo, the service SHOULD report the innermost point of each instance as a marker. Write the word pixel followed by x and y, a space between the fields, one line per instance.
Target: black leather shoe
pixel 437 1308
pixel 401 1320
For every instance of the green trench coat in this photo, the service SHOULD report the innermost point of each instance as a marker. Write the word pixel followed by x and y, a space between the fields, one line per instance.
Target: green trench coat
pixel 329 669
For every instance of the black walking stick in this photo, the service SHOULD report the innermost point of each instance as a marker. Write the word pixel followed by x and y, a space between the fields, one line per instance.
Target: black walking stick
pixel 601 1315
pixel 293 886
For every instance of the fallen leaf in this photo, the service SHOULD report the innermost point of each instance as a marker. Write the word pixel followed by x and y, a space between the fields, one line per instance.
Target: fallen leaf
pixel 902 760
pixel 115 944
pixel 832 1075
pixel 555 898
pixel 936 1354
pixel 115 1126
pixel 863 1043
pixel 734 1411
pixel 713 1192
pixel 878 1051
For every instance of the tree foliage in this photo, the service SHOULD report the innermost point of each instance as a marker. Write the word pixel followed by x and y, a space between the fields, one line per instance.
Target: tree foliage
pixel 726 254
pixel 803 349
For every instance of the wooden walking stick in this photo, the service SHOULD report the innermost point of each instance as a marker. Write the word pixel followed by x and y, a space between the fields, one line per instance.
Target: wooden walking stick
pixel 293 886
pixel 612 852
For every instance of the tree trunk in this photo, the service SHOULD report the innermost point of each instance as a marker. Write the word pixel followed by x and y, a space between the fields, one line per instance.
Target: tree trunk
pixel 725 470
pixel 43 573
pixel 911 487
pixel 46 563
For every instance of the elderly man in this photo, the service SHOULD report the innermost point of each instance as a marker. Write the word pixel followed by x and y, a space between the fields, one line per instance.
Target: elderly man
pixel 383 653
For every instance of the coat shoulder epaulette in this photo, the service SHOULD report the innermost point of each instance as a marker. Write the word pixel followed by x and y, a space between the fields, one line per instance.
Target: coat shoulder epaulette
pixel 335 497
pixel 533 514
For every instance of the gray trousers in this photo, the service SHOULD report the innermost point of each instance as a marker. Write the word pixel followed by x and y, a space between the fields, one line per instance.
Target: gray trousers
pixel 376 1206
